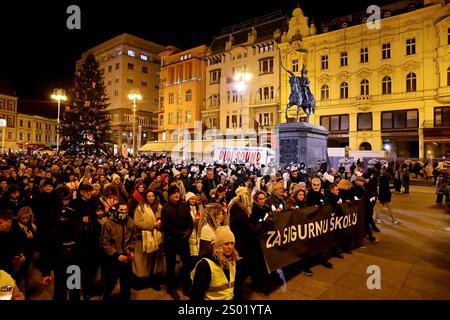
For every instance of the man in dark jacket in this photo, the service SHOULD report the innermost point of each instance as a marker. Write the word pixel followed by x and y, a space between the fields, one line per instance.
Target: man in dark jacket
pixel 209 183
pixel 276 200
pixel 63 249
pixel 118 239
pixel 13 200
pixel 47 207
pixel 177 225
pixel 371 185
pixel 11 249
pixel 315 196
pixel 85 207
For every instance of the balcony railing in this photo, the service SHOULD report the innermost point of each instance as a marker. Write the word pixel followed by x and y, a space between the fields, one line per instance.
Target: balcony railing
pixel 262 102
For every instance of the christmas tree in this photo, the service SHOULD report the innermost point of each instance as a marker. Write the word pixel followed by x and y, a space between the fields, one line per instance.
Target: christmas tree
pixel 86 127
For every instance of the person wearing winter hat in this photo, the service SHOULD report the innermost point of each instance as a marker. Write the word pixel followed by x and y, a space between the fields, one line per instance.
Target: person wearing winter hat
pixel 177 225
pixel 180 184
pixel 196 211
pixel 214 275
pixel 247 243
pixel 13 199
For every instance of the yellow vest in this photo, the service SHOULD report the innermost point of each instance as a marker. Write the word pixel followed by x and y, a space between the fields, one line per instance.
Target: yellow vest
pixel 219 287
pixel 7 285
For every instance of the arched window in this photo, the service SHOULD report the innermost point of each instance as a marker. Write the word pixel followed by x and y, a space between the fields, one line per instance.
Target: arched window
pixel 344 90
pixel 365 146
pixel 411 82
pixel 386 85
pixel 448 76
pixel 364 87
pixel 325 92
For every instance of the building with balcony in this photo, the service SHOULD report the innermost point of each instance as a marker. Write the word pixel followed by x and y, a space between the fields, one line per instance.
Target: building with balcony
pixel 36 125
pixel 181 94
pixel 8 112
pixel 242 81
pixel 129 63
pixel 377 88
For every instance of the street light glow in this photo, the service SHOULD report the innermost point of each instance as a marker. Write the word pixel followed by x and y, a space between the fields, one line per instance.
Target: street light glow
pixel 134 96
pixel 58 95
pixel 243 76
pixel 240 86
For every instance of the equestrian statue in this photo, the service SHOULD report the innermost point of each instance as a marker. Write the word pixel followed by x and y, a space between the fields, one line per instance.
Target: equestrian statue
pixel 301 95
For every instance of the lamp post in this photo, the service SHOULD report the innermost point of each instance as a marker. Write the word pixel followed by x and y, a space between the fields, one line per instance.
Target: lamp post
pixel 58 95
pixel 241 78
pixel 133 97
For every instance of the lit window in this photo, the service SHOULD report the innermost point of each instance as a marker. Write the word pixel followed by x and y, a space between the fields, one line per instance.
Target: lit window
pixel 144 57
pixel 131 53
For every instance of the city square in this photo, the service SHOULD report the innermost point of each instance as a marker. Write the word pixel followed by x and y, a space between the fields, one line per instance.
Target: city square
pixel 291 152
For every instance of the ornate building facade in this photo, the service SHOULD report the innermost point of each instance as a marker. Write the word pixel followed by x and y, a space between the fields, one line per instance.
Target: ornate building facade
pixel 377 88
pixel 242 84
pixel 181 93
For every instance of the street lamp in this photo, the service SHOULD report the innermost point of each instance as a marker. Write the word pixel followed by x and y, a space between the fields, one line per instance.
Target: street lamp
pixel 58 95
pixel 241 78
pixel 133 97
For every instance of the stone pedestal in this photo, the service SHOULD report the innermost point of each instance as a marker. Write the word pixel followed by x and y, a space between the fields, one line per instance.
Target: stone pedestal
pixel 301 142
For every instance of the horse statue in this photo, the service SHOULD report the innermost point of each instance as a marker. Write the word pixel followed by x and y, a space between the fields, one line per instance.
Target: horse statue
pixel 301 95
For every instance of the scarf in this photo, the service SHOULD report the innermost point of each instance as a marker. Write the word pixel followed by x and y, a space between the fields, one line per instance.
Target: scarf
pixel 149 243
pixel 138 196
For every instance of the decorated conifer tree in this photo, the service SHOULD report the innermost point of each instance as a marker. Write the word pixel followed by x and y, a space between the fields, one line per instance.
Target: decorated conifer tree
pixel 86 128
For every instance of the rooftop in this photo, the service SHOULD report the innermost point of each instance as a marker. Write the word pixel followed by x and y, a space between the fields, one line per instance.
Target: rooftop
pixel 46 109
pixel 6 89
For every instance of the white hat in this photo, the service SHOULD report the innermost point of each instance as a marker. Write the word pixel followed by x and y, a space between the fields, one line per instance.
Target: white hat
pixel 223 235
pixel 189 195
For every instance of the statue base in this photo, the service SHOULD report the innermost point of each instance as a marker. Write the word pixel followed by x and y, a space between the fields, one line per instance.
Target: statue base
pixel 301 142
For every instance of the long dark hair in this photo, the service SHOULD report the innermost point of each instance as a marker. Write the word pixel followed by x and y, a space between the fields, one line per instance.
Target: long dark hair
pixel 155 203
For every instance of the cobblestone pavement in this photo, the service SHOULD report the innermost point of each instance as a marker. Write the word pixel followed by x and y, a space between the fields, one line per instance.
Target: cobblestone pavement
pixel 414 259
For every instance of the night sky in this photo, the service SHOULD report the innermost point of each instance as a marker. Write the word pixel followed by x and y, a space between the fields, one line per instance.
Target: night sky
pixel 38 52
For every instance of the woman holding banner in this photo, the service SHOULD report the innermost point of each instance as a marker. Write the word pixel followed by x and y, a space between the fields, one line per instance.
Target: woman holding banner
pixel 247 244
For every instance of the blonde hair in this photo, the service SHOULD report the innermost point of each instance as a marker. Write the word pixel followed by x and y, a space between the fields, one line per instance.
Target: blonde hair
pixel 344 184
pixel 222 259
pixel 210 214
pixel 244 199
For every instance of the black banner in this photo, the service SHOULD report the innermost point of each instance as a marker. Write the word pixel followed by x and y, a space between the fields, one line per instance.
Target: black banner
pixel 295 234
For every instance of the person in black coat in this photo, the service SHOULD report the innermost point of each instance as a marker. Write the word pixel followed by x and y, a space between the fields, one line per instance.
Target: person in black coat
pixel 247 244
pixel 260 209
pixel 371 177
pixel 384 197
pixel 345 191
pixel 209 183
pixel 177 226
pixel 13 199
pixel 63 249
pixel 47 206
pixel 276 200
pixel 85 208
pixel 298 199
pixel 12 254
pixel 316 193
pixel 359 192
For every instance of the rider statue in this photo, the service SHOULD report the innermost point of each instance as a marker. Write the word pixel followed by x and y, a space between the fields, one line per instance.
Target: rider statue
pixel 301 95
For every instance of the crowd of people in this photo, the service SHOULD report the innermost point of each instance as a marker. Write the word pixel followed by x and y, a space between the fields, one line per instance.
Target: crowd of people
pixel 128 220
